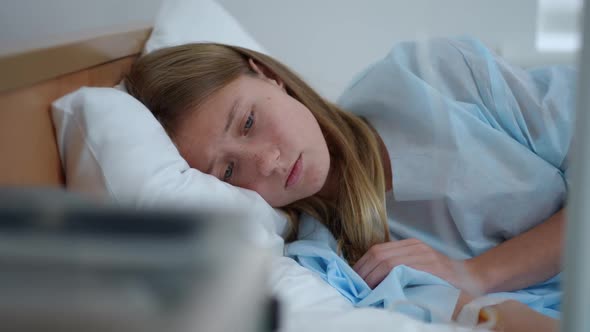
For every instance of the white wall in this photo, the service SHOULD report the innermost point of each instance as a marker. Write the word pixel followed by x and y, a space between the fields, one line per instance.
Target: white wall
pixel 326 41
pixel 27 24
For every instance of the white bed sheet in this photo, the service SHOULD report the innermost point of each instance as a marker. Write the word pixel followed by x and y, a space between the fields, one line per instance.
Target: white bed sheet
pixel 308 303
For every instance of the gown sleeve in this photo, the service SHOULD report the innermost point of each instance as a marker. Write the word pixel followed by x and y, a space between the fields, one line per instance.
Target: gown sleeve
pixel 535 107
pixel 479 148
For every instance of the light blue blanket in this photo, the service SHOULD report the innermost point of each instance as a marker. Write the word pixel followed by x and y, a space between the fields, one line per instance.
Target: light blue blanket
pixel 405 289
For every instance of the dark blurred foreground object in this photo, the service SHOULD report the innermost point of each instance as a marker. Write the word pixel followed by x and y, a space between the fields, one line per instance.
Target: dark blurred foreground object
pixel 68 264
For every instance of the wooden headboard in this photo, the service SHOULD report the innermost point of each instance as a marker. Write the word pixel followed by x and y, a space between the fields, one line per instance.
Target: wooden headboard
pixel 32 80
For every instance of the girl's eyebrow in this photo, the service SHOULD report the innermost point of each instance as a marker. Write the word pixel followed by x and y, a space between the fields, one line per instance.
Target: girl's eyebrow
pixel 231 115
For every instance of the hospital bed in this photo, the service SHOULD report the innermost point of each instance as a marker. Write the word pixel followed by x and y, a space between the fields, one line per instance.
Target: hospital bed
pixel 30 158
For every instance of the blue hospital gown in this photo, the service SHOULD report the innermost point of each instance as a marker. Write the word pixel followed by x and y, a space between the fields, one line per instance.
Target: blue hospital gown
pixel 479 152
pixel 479 149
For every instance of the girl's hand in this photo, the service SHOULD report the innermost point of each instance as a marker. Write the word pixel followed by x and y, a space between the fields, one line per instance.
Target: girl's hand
pixel 381 258
pixel 513 316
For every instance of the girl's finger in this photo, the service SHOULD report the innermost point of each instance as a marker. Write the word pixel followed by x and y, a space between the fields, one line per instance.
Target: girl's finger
pixel 377 275
pixel 378 254
pixel 382 270
pixel 384 246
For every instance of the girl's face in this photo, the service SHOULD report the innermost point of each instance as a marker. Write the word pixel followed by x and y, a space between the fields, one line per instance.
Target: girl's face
pixel 253 135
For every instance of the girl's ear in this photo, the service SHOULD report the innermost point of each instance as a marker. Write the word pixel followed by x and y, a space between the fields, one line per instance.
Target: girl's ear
pixel 266 74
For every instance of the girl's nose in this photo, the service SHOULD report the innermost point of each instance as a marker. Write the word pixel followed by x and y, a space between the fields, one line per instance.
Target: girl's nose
pixel 267 160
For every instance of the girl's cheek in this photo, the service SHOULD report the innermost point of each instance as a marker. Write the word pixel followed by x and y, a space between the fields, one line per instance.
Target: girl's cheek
pixel 249 184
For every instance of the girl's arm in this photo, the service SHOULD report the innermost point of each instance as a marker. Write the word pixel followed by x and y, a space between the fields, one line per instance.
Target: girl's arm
pixel 522 261
pixel 531 257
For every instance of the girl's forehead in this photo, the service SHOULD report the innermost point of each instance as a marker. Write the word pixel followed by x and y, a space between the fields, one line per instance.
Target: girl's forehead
pixel 241 88
pixel 198 136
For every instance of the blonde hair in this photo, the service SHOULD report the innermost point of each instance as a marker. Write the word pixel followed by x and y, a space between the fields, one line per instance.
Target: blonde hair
pixel 173 80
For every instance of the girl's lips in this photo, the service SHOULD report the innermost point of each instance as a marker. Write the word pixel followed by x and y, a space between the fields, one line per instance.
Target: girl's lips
pixel 295 173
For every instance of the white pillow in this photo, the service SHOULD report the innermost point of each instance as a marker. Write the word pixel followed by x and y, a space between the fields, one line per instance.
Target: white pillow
pixel 112 146
pixel 188 21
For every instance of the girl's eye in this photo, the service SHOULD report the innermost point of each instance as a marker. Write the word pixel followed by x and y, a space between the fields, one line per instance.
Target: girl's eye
pixel 228 171
pixel 250 122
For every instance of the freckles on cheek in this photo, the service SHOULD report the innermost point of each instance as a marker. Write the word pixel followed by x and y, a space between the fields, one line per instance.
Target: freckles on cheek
pixel 251 185
pixel 257 187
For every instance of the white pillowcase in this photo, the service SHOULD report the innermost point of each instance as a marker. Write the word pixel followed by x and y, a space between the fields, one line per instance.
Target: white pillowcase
pixel 188 21
pixel 112 146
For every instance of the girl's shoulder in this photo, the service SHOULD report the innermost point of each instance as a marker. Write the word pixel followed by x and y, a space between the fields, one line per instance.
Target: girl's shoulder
pixel 412 70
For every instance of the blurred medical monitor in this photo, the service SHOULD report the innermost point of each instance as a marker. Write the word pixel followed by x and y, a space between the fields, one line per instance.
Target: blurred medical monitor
pixel 67 264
